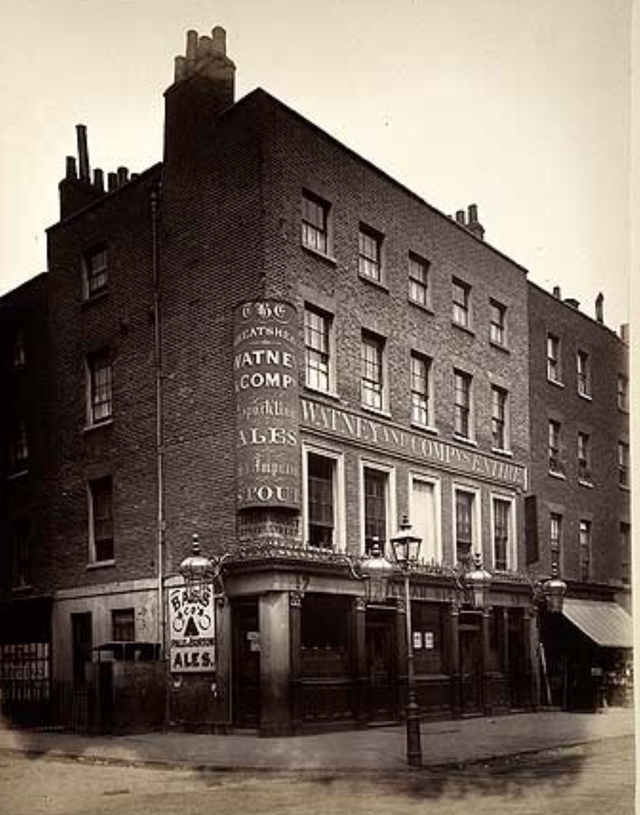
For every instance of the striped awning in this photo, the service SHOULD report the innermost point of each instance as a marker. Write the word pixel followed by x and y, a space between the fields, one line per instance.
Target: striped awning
pixel 607 624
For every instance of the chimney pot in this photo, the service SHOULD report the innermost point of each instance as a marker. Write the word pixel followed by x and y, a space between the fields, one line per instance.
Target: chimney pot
pixel 556 292
pixel 83 153
pixel 192 45
pixel 71 171
pixel 179 68
pixel 624 333
pixel 112 181
pixel 98 179
pixel 571 301
pixel 205 47
pixel 460 217
pixel 123 175
pixel 600 308
pixel 219 41
pixel 473 213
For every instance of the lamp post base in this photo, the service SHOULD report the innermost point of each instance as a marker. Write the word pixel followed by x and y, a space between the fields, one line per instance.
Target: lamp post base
pixel 414 745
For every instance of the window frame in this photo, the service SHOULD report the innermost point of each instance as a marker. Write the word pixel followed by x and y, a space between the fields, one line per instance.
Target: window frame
pixel 554 358
pixel 461 307
pixel 367 384
pixel 624 464
pixel 476 519
pixel 19 448
pixel 339 507
pixel 310 231
pixel 390 502
pixel 93 387
pixel 555 541
pixel 19 355
pixel 584 548
pixel 625 544
pixel 497 329
pixel 503 419
pixel 419 291
pixel 583 373
pixel 328 321
pixel 89 273
pixel 554 448
pixel 96 540
pixel 623 393
pixel 370 265
pixel 463 411
pixel 511 551
pixel 584 457
pixel 434 482
pixel 421 400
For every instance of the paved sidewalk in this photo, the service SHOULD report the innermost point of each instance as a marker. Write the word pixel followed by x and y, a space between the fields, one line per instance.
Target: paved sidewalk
pixel 382 748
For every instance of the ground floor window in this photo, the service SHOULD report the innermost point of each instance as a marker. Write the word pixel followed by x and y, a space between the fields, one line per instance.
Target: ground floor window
pixel 324 635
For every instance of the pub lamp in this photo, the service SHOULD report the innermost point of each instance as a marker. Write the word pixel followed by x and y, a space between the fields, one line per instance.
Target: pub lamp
pixel 197 571
pixel 553 590
pixel 478 583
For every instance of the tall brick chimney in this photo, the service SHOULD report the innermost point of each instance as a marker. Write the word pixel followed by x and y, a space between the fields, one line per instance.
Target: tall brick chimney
pixel 203 87
pixel 77 190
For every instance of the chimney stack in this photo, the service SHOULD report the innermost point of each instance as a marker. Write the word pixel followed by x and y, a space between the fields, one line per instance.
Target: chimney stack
pixel 625 334
pixel 600 308
pixel 474 226
pixel 71 171
pixel 557 293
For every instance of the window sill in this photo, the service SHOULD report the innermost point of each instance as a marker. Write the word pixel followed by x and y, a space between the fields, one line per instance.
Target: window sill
pixel 378 284
pixel 317 392
pixel 586 396
pixel 88 428
pixel 587 484
pixel 376 411
pixel 463 328
pixel 22 589
pixel 321 255
pixel 555 382
pixel 465 440
pixel 625 411
pixel 500 452
pixel 100 564
pixel 499 347
pixel 625 487
pixel 17 475
pixel 94 298
pixel 426 428
pixel 560 476
pixel 422 306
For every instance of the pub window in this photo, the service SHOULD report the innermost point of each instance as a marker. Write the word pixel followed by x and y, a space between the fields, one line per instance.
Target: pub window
pixel 498 323
pixel 462 404
pixel 321 501
pixel 315 223
pixel 101 543
pixel 372 372
pixel 499 434
pixel 370 253
pixel 419 289
pixel 96 272
pixel 99 387
pixel 584 373
pixel 376 489
pixel 554 370
pixel 584 458
pixel 461 303
pixel 123 625
pixel 555 538
pixel 465 526
pixel 502 533
pixel 585 550
pixel 420 389
pixel 317 341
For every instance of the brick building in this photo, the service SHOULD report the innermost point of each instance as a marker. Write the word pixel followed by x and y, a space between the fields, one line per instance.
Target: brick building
pixel 578 510
pixel 268 342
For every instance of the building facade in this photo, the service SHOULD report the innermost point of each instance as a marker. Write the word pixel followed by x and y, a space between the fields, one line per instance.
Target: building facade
pixel 268 342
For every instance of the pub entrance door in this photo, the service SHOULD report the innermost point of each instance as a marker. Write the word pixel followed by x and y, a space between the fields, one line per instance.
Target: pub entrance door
pixel 245 663
pixel 471 664
pixel 380 649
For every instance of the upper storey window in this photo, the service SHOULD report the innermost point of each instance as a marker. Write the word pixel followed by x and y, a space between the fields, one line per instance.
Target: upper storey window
pixel 370 253
pixel 498 324
pixel 419 290
pixel 420 389
pixel 462 404
pixel 317 327
pixel 461 312
pixel 623 393
pixel 315 223
pixel 96 272
pixel 554 368
pixel 100 387
pixel 19 352
pixel 583 363
pixel 372 373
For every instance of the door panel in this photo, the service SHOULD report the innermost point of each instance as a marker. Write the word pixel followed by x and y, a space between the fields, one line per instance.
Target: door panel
pixel 246 664
pixel 381 666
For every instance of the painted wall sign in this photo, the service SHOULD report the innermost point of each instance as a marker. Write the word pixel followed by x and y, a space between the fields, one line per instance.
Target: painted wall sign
pixel 266 385
pixel 192 628
pixel 397 441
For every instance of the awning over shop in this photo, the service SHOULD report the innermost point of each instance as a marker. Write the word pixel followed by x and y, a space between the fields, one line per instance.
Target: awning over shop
pixel 607 624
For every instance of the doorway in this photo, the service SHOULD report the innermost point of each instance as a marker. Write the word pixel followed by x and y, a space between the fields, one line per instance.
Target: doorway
pixel 246 663
pixel 380 650
pixel 471 665
pixel 81 643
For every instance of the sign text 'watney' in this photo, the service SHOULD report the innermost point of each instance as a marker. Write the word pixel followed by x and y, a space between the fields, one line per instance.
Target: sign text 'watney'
pixel 404 442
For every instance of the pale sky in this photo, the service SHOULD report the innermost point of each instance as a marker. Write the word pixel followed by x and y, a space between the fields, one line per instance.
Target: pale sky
pixel 521 107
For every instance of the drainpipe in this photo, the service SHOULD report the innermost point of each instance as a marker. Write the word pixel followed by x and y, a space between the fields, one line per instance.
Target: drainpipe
pixel 157 358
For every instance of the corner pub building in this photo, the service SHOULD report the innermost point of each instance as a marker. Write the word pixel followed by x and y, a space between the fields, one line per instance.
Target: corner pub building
pixel 266 341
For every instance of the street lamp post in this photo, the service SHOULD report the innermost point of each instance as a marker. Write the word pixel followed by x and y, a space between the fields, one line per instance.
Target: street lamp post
pixel 406 546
